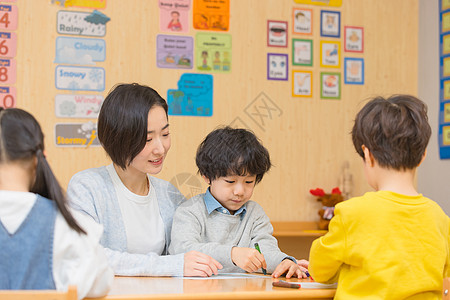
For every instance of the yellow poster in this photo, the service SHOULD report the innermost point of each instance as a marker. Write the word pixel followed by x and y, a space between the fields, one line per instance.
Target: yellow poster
pixel 446 44
pixel 447 90
pixel 446 70
pixel 326 2
pixel 445 4
pixel 447 113
pixel 446 22
pixel 446 135
pixel 95 4
pixel 211 15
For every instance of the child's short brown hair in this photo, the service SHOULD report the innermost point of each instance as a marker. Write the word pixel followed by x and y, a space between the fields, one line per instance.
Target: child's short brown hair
pixel 395 130
pixel 232 151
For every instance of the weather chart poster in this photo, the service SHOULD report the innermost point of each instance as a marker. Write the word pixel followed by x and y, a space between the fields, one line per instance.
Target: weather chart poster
pixel 79 55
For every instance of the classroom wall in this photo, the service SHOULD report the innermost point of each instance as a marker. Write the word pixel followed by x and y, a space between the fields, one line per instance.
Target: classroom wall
pixel 308 139
pixel 434 173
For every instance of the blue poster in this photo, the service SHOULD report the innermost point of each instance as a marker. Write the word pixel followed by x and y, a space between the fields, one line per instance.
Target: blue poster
pixel 194 96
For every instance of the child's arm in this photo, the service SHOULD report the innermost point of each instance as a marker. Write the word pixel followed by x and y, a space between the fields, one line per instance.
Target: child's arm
pixel 327 253
pixel 262 233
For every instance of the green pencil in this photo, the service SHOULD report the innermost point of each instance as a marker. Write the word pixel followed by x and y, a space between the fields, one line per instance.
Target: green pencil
pixel 257 248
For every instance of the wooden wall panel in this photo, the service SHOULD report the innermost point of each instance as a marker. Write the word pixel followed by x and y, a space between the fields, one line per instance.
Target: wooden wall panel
pixel 309 142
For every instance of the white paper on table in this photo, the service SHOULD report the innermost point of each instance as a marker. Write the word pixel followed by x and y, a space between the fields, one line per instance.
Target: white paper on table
pixel 229 276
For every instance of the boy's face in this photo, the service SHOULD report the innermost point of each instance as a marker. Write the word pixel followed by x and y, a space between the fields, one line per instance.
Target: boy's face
pixel 233 191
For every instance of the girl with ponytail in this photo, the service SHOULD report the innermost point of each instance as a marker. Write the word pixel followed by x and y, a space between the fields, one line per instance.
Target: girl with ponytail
pixel 44 245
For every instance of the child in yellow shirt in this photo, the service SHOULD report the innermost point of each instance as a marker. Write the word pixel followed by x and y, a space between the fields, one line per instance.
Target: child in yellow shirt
pixel 392 243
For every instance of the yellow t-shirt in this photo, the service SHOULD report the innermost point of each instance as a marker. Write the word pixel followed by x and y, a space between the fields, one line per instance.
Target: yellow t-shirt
pixel 384 245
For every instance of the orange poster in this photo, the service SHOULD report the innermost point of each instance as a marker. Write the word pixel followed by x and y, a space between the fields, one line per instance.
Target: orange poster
pixel 211 15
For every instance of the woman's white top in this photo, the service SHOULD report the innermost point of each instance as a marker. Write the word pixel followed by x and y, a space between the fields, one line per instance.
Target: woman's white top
pixel 143 223
pixel 78 259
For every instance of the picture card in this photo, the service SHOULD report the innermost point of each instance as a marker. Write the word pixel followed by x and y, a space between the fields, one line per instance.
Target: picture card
pixel 174 15
pixel 330 54
pixel 330 23
pixel 277 35
pixel 354 39
pixel 302 83
pixel 444 141
pixel 8 44
pixel 353 70
pixel 8 17
pixel 445 22
pixel 302 20
pixel 277 66
pixel 330 85
pixel 176 52
pixel 213 52
pixel 194 96
pixel 82 23
pixel 445 66
pixel 446 88
pixel 445 44
pixel 78 106
pixel 445 136
pixel 8 71
pixel 211 15
pixel 79 51
pixel 445 115
pixel 99 4
pixel 81 135
pixel 320 2
pixel 8 96
pixel 302 52
pixel 80 78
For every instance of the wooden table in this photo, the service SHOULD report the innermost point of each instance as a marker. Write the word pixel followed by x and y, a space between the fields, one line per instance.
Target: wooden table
pixel 134 288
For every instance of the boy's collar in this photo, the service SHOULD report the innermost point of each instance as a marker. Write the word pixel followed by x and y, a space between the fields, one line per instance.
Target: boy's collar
pixel 212 204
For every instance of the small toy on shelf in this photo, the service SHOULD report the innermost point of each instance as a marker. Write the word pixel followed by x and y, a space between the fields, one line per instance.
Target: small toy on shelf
pixel 328 202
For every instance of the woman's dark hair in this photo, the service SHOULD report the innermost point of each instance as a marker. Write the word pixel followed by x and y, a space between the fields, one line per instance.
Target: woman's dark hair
pixel 395 130
pixel 21 139
pixel 122 122
pixel 232 151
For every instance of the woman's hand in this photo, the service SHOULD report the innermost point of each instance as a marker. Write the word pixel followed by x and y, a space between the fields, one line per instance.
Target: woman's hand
pixel 199 264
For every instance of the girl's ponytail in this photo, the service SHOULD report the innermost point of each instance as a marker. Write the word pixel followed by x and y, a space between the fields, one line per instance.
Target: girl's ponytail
pixel 22 140
pixel 48 186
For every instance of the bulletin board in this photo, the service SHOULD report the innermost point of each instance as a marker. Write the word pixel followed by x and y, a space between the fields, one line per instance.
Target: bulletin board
pixel 307 135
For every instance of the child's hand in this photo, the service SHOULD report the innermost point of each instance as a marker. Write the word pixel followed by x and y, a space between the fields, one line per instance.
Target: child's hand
pixel 303 264
pixel 200 264
pixel 290 268
pixel 248 259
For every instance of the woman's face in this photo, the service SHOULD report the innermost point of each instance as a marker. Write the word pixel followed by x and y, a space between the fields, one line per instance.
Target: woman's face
pixel 151 158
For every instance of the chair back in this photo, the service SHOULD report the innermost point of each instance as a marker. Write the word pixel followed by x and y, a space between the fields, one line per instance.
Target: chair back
pixel 446 289
pixel 70 294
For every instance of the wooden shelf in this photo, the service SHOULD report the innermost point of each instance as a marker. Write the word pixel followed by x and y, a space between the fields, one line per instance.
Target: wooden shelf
pixel 297 229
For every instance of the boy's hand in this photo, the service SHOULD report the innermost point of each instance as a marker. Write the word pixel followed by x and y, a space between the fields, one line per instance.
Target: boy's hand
pixel 200 264
pixel 248 259
pixel 290 268
pixel 303 264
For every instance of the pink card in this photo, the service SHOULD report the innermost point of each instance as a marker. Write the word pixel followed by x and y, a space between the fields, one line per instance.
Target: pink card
pixel 8 44
pixel 7 71
pixel 174 15
pixel 7 96
pixel 8 17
